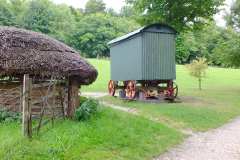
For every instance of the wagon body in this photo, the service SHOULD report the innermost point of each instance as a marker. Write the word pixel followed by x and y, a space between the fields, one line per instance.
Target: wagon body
pixel 145 54
pixel 143 63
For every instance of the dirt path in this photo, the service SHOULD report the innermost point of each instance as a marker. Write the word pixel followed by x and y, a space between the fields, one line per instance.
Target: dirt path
pixel 102 94
pixel 133 111
pixel 219 144
pixel 94 94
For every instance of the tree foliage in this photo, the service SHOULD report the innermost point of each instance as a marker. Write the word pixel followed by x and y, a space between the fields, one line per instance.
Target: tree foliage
pixel 95 6
pixel 18 8
pixel 89 30
pixel 38 16
pixel 96 30
pixel 127 11
pixel 218 45
pixel 63 24
pixel 233 19
pixel 228 49
pixel 182 51
pixel 6 15
pixel 178 13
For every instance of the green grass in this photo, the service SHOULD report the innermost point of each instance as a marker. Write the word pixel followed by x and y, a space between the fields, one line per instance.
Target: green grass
pixel 182 115
pixel 103 67
pixel 216 104
pixel 109 135
pixel 216 79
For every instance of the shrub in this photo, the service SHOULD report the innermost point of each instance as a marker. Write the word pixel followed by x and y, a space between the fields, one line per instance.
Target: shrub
pixel 198 69
pixel 82 100
pixel 7 116
pixel 86 110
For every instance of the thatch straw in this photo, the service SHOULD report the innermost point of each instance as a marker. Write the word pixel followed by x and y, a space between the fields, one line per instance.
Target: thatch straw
pixel 27 52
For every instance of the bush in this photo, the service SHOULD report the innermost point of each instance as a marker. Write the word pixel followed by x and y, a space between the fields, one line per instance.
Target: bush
pixel 82 100
pixel 7 116
pixel 86 110
pixel 198 69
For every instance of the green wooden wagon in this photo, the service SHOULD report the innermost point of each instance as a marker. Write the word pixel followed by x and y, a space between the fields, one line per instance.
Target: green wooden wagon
pixel 143 63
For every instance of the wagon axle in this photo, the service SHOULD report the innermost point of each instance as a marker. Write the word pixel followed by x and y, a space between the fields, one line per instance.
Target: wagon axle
pixel 144 90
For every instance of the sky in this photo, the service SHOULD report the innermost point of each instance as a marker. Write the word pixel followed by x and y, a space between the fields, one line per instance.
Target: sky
pixel 219 17
pixel 117 4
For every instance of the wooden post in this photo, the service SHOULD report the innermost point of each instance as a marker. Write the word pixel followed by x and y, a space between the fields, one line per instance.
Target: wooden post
pixel 73 97
pixel 26 102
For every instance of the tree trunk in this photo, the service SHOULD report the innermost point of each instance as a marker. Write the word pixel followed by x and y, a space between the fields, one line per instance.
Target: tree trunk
pixel 200 84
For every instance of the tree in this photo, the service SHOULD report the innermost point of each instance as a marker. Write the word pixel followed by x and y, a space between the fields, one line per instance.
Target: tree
pixel 38 16
pixel 178 13
pixel 127 11
pixel 111 12
pixel 200 43
pixel 63 23
pixel 198 69
pixel 206 40
pixel 77 13
pixel 87 33
pixel 182 51
pixel 58 21
pixel 96 30
pixel 18 7
pixel 6 15
pixel 95 6
pixel 233 19
pixel 228 49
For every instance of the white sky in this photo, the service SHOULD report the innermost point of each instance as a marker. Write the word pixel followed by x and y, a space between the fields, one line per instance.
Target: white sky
pixel 117 4
pixel 219 17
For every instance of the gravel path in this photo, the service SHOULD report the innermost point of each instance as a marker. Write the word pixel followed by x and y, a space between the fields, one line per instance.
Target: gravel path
pixel 219 144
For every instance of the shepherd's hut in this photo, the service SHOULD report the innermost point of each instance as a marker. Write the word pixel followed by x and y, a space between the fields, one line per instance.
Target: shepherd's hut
pixel 56 71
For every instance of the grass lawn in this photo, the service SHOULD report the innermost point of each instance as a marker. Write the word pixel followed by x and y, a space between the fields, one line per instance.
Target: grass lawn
pixel 217 103
pixel 199 117
pixel 109 135
pixel 217 79
pixel 100 85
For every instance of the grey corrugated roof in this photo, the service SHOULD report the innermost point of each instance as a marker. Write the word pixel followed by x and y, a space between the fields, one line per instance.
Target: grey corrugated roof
pixel 126 36
pixel 136 32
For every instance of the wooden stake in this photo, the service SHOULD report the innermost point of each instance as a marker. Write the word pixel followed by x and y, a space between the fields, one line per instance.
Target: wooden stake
pixel 26 102
pixel 73 97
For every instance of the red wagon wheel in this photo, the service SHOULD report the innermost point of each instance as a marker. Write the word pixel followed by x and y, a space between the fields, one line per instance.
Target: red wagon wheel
pixel 131 89
pixel 172 91
pixel 111 87
pixel 175 90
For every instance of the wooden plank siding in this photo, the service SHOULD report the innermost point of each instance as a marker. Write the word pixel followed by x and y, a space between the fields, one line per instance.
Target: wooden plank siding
pixel 10 98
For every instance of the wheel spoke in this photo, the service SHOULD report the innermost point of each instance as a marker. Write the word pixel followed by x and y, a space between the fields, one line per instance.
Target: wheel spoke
pixel 131 90
pixel 111 88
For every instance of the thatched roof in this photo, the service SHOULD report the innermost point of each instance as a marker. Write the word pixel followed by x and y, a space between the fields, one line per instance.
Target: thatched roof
pixel 27 52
